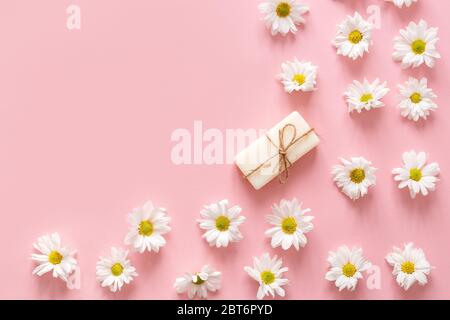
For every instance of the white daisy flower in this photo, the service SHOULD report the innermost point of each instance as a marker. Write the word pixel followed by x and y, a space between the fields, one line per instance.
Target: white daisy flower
pixel 115 270
pixel 222 223
pixel 366 95
pixel 268 272
pixel 417 99
pixel 53 257
pixel 282 16
pixel 148 224
pixel 199 283
pixel 346 267
pixel 416 174
pixel 298 76
pixel 354 176
pixel 354 36
pixel 416 45
pixel 401 3
pixel 409 266
pixel 290 225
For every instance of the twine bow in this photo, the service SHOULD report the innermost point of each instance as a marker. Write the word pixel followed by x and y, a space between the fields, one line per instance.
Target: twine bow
pixel 284 163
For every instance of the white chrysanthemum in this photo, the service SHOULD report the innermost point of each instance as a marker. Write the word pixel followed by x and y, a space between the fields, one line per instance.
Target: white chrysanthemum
pixel 354 176
pixel 354 36
pixel 298 76
pixel 148 224
pixel 199 283
pixel 53 257
pixel 115 270
pixel 401 3
pixel 416 45
pixel 268 272
pixel 416 174
pixel 282 16
pixel 366 95
pixel 417 99
pixel 222 223
pixel 409 266
pixel 346 267
pixel 290 225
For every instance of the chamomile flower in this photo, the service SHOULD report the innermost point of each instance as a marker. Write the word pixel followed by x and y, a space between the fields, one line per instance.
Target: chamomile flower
pixel 401 3
pixel 354 36
pixel 198 284
pixel 409 266
pixel 222 223
pixel 148 224
pixel 290 225
pixel 298 76
pixel 416 45
pixel 354 177
pixel 366 95
pixel 415 174
pixel 346 267
pixel 416 99
pixel 53 257
pixel 268 272
pixel 116 270
pixel 282 16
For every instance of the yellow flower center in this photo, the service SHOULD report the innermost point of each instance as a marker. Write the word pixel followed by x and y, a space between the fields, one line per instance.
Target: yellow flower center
pixel 416 97
pixel 349 270
pixel 355 36
pixel 222 223
pixel 299 78
pixel 289 225
pixel 117 269
pixel 283 9
pixel 366 97
pixel 267 277
pixel 357 175
pixel 55 257
pixel 145 228
pixel 198 281
pixel 418 46
pixel 408 267
pixel 415 174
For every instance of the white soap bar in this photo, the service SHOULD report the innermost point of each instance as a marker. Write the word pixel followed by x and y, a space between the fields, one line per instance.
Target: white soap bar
pixel 260 162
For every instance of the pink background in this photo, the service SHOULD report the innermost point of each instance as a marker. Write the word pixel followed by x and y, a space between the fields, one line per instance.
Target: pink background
pixel 86 118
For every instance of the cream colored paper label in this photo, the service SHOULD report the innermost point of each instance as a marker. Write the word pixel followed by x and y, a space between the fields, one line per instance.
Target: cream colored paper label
pixel 263 154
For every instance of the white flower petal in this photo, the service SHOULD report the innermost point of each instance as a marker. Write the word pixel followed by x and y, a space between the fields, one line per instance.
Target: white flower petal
pixel 268 264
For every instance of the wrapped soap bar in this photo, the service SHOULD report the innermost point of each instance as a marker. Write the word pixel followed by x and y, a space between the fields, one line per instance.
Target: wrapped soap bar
pixel 273 153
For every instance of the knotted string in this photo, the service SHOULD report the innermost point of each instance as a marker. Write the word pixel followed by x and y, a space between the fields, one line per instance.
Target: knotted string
pixel 284 163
